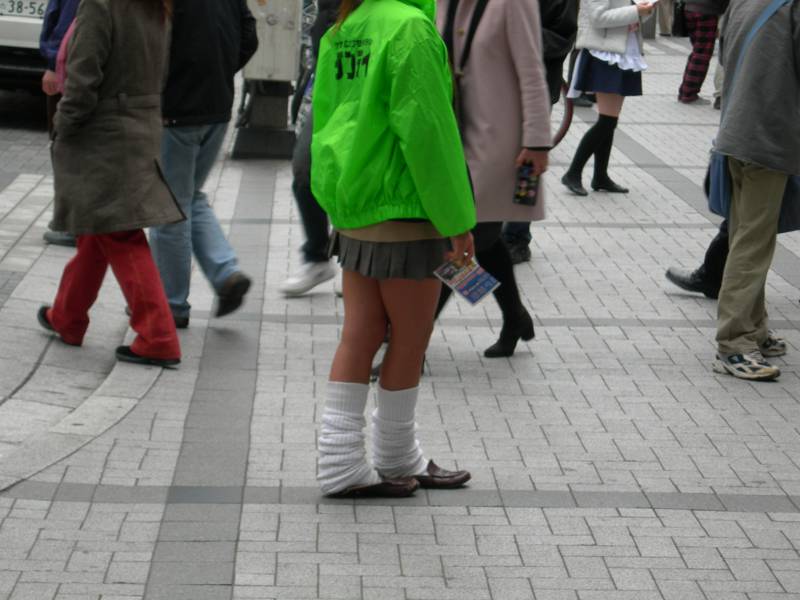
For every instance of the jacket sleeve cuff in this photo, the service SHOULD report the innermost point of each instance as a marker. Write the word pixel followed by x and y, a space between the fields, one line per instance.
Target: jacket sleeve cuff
pixel 537 141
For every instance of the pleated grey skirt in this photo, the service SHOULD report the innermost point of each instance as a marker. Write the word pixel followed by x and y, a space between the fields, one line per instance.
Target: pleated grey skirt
pixel 389 260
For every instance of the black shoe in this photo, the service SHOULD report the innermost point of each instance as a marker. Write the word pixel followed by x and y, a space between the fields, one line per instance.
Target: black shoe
pixel 510 335
pixel 608 186
pixel 125 354
pixel 41 316
pixel 692 281
pixel 519 253
pixel 231 294
pixel 60 238
pixel 718 103
pixel 583 101
pixel 574 185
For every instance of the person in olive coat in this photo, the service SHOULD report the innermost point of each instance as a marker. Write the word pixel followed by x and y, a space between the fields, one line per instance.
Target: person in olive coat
pixel 108 183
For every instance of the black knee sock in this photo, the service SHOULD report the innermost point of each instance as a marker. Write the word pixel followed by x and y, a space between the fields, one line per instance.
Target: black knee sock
pixel 592 140
pixel 497 261
pixel 444 296
pixel 603 152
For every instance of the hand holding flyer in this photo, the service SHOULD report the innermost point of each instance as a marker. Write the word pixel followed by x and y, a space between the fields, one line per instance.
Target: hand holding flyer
pixel 470 280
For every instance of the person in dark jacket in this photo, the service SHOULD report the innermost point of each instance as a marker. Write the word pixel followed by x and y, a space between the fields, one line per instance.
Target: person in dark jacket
pixel 211 41
pixel 702 19
pixel 559 28
pixel 317 268
pixel 57 18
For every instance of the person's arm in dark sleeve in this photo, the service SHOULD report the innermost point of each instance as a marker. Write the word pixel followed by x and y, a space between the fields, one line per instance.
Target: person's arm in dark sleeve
pixel 89 52
pixel 48 45
pixel 249 42
pixel 559 27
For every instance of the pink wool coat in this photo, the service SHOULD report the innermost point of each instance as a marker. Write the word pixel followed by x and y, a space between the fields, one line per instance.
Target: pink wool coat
pixel 505 101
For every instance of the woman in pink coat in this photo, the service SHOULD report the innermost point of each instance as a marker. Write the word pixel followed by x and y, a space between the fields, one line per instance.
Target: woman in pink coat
pixel 505 123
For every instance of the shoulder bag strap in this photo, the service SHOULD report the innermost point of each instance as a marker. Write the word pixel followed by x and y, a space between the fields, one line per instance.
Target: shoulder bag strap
pixel 480 7
pixel 765 16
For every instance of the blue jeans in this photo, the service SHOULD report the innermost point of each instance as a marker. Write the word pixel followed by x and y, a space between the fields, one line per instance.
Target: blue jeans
pixel 187 155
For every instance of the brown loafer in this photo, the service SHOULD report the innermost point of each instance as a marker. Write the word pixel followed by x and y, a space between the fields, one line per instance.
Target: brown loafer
pixel 438 478
pixel 388 488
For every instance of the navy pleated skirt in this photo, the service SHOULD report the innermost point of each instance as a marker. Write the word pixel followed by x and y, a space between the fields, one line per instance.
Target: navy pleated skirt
pixel 595 75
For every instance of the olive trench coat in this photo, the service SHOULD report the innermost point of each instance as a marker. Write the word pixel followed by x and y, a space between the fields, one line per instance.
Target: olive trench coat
pixel 107 134
pixel 505 101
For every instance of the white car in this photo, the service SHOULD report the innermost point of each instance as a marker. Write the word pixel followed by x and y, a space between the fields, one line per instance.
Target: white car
pixel 21 65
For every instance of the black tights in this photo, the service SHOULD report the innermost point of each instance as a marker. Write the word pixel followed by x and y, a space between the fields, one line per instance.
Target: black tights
pixel 492 254
pixel 598 141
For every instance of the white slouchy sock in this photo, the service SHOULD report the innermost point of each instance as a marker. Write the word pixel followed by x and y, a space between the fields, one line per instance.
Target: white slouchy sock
pixel 342 455
pixel 395 449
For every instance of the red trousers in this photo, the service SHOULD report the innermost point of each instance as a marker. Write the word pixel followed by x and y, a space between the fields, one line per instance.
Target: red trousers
pixel 702 33
pixel 128 254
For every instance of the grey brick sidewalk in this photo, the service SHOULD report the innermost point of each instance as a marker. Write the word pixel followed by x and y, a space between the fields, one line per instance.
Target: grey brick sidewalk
pixel 609 461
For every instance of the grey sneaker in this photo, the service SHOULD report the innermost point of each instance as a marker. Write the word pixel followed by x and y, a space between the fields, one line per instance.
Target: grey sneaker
pixel 773 345
pixel 751 366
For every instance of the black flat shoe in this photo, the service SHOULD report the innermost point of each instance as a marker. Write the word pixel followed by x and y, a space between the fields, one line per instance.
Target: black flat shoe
pixel 574 185
pixel 231 294
pixel 41 316
pixel 510 335
pixel 125 354
pixel 610 187
pixel 692 281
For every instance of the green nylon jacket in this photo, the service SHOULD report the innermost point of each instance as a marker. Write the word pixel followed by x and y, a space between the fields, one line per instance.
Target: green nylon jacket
pixel 386 144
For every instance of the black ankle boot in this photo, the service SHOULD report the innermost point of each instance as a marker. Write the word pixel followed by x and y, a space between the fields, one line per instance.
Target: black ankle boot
pixel 574 184
pixel 608 185
pixel 510 334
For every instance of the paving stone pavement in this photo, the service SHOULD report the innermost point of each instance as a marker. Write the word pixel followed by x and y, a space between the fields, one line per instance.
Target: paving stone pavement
pixel 609 461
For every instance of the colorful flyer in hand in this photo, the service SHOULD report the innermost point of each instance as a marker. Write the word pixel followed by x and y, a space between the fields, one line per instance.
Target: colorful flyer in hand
pixel 470 280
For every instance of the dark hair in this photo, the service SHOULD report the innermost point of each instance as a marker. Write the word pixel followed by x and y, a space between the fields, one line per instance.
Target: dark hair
pixel 347 7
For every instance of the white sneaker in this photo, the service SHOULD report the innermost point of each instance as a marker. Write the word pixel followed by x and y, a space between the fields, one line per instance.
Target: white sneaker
pixel 310 277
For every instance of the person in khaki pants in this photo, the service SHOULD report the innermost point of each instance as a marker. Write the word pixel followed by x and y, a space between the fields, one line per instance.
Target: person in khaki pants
pixel 665 8
pixel 760 135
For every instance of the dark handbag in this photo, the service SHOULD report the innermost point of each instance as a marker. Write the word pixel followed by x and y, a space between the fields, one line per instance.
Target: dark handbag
pixel 458 73
pixel 679 26
pixel 719 177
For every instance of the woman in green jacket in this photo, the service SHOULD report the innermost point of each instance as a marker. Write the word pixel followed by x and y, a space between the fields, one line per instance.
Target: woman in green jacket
pixel 389 169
